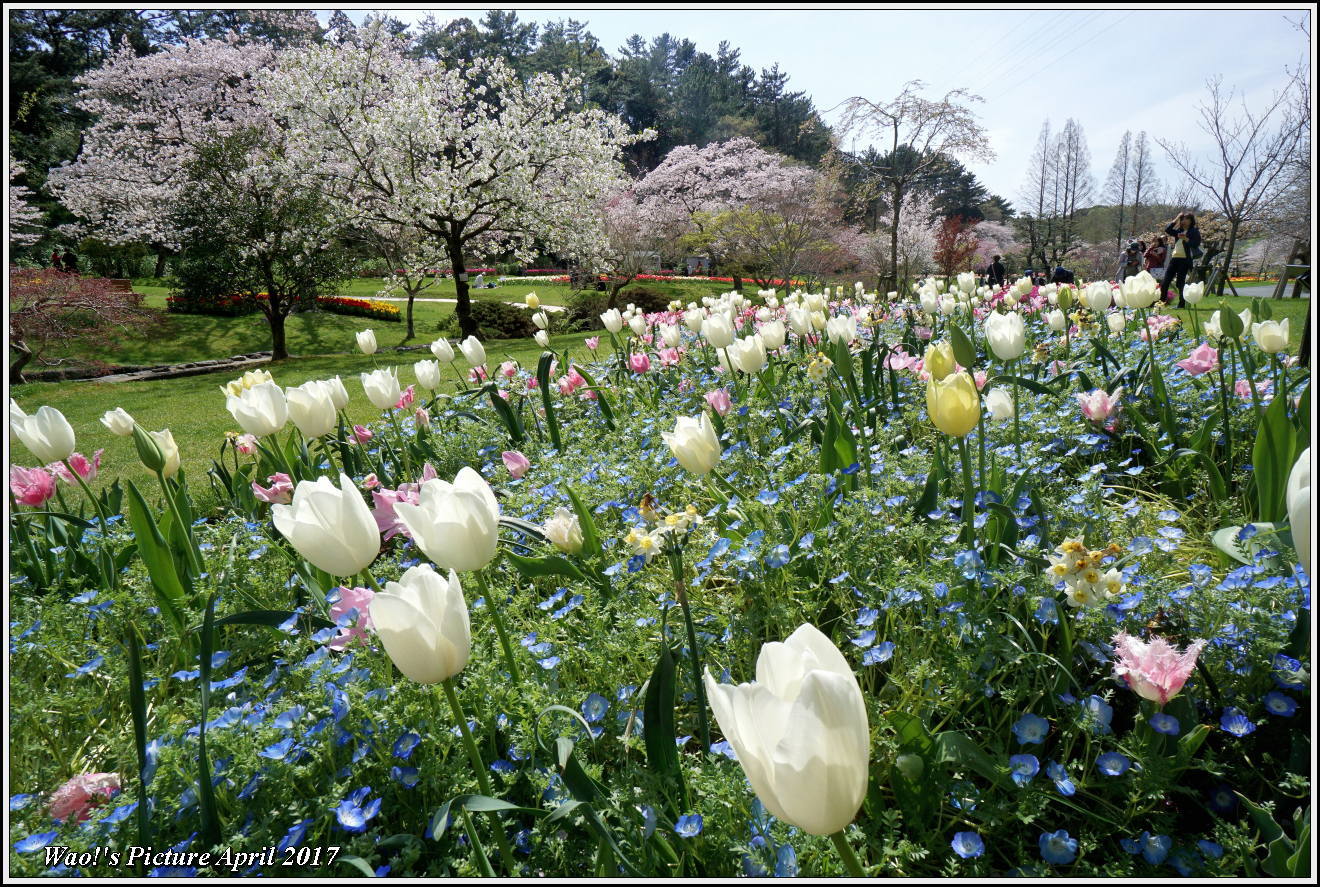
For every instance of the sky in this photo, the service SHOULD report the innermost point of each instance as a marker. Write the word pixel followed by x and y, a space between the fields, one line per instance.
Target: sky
pixel 1110 69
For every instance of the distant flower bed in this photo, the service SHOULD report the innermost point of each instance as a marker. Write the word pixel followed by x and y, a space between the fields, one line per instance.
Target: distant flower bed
pixel 563 278
pixel 372 308
pixel 544 272
pixel 240 305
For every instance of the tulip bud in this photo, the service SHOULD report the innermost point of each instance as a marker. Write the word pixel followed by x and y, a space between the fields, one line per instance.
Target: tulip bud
pixel 800 732
pixel 953 403
pixel 422 622
pixel 366 341
pixel 1117 321
pixel 748 354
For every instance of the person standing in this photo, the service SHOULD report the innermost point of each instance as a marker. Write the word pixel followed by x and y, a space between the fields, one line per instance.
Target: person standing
pixel 996 272
pixel 1155 258
pixel 55 260
pixel 1186 247
pixel 1129 262
pixel 70 261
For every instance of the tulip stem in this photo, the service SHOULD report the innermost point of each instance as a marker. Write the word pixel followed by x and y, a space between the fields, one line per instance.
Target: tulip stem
pixel 1017 421
pixel 969 495
pixel 96 503
pixel 703 725
pixel 846 853
pixel 499 626
pixel 474 757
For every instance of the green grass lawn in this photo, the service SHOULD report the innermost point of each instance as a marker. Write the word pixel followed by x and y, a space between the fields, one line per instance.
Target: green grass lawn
pixel 1293 309
pixel 193 408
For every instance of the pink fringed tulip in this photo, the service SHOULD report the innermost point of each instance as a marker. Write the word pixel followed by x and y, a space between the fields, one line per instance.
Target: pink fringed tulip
pixel 247 444
pixel 509 369
pixel 593 342
pixel 31 486
pixel 1154 670
pixel 85 468
pixel 406 398
pixel 280 490
pixel 720 401
pixel 1203 359
pixel 1098 406
pixel 516 462
pixel 76 799
pixel 355 604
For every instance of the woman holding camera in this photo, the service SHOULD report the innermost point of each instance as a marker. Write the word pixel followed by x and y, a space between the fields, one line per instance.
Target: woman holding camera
pixel 1186 247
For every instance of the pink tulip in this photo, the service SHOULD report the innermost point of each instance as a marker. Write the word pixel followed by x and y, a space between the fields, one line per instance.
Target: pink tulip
pixel 1154 670
pixel 720 401
pixel 362 433
pixel 477 374
pixel 422 418
pixel 533 383
pixel 31 486
pixel 1098 406
pixel 371 481
pixel 1203 359
pixel 669 357
pixel 565 385
pixel 516 462
pixel 1243 388
pixel 639 362
pixel 509 369
pixel 355 603
pixel 980 377
pixel 247 444
pixel 406 399
pixel 86 469
pixel 504 393
pixel 280 490
pixel 593 342
pixel 76 799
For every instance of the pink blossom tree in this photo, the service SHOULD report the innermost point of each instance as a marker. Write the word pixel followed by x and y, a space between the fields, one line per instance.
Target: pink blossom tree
pixel 24 218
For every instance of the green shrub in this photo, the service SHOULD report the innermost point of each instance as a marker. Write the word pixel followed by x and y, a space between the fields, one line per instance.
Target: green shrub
pixel 583 314
pixel 495 320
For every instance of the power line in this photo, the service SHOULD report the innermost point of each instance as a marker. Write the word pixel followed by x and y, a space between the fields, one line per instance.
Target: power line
pixel 985 62
pixel 1005 61
pixel 1070 50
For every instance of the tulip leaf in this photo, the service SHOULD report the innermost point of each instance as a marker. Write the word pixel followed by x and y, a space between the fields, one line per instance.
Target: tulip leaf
pixel 205 789
pixel 527 528
pixel 606 411
pixel 658 721
pixel 502 409
pixel 546 565
pixel 474 804
pixel 957 748
pixel 1230 323
pixel 930 493
pixel 543 382
pixel 358 863
pixel 579 784
pixel 1272 460
pixel 273 619
pixel 156 556
pixel 137 703
pixel 1218 488
pixel 1190 743
pixel 76 521
pixel 563 811
pixel 963 349
pixel 1029 384
pixel 590 537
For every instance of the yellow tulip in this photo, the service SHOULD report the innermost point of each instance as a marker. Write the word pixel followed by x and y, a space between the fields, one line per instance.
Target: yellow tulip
pixel 939 360
pixel 953 404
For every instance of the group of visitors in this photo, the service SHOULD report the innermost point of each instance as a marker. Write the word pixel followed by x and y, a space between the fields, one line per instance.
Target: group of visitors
pixel 67 262
pixel 1167 264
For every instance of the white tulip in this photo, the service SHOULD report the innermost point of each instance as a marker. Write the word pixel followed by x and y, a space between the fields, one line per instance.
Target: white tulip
pixel 693 318
pixel 455 524
pixel 311 409
pixel 542 338
pixel 637 323
pixel 718 331
pixel 337 392
pixel 1057 320
pixel 46 433
pixel 382 388
pixel 541 319
pixel 1271 335
pixel 1117 321
pixel 473 351
pixel 1098 296
pixel 565 531
pixel 1193 293
pixel 612 320
pixel 169 450
pixel 841 328
pixel 427 373
pixel 443 351
pixel 694 443
pixel 330 527
pixel 773 334
pixel 260 410
pixel 1299 508
pixel 1006 335
pixel 748 354
pixel 422 622
pixel 800 732
pixel 118 422
pixel 366 341
pixel 1000 405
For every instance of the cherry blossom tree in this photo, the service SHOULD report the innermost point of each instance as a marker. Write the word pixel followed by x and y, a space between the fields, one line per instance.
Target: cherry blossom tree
pixel 152 115
pixel 915 241
pixel 993 239
pixel 473 156
pixel 634 242
pixel 24 218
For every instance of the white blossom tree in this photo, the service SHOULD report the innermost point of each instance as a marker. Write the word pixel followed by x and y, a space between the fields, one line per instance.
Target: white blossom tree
pixel 474 157
pixel 24 218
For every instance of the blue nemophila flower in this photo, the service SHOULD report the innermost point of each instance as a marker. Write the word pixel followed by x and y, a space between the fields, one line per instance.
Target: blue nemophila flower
pixel 499 765
pixel 33 843
pixel 882 652
pixel 279 750
pixel 1023 768
pixel 778 557
pixel 1111 763
pixel 786 864
pixel 1235 722
pixel 1059 775
pixel 595 707
pixel 295 836
pixel 1097 713
pixel 406 744
pixel 1280 704
pixel 88 667
pixel 406 776
pixel 1210 849
pixel 1165 723
pixel 767 497
pixel 867 616
pixel 1288 673
pixel 1047 611
pixel 1031 729
pixel 288 718
pixel 865 639
pixel 1222 799
pixel 968 845
pixel 688 826
pixel 1155 848
pixel 18 802
pixel 352 815
pixel 1058 848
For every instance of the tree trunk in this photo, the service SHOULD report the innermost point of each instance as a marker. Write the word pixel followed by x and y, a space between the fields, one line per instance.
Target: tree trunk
pixel 467 326
pixel 279 349
pixel 1228 260
pixel 409 333
pixel 894 214
pixel 615 287
pixel 23 354
pixel 161 256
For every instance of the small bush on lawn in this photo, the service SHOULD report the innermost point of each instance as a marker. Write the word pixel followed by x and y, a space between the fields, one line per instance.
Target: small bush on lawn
pixel 496 320
pixel 583 314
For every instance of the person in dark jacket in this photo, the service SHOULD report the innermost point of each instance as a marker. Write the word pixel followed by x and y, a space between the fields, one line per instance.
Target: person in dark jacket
pixel 1186 240
pixel 70 261
pixel 55 260
pixel 996 272
pixel 1062 275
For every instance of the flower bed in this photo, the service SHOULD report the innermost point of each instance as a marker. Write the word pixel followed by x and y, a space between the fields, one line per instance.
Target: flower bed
pixel 371 308
pixel 238 306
